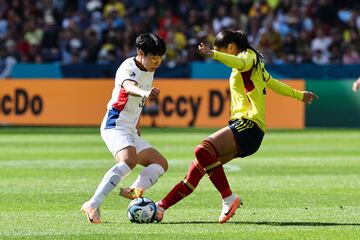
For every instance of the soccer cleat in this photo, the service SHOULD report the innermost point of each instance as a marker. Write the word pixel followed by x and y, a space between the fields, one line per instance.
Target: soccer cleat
pixel 230 204
pixel 131 193
pixel 159 215
pixel 92 214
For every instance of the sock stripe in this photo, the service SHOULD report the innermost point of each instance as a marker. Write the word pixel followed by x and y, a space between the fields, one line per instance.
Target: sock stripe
pixel 214 165
pixel 197 164
pixel 211 145
pixel 210 148
pixel 188 184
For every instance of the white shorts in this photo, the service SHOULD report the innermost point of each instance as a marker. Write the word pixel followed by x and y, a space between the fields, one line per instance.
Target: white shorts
pixel 117 140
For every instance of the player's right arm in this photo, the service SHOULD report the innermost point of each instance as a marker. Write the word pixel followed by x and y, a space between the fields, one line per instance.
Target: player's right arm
pixel 131 87
pixel 243 61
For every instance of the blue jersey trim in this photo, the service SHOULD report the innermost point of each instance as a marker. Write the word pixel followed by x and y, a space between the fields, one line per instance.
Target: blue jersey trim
pixel 113 115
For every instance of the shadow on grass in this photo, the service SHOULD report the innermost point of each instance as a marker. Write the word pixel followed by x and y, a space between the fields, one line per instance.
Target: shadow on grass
pixel 313 224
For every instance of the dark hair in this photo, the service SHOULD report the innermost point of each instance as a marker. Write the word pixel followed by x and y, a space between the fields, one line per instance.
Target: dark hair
pixel 225 37
pixel 151 43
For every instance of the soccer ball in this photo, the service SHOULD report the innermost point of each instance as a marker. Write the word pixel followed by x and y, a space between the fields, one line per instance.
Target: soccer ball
pixel 142 210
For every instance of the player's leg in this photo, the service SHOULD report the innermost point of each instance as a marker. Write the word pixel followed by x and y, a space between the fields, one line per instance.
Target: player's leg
pixel 155 166
pixel 121 145
pixel 241 138
pixel 247 137
pixel 206 153
pixel 180 190
pixel 219 147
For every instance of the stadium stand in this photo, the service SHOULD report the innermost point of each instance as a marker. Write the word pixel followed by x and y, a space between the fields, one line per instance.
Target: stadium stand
pixel 103 32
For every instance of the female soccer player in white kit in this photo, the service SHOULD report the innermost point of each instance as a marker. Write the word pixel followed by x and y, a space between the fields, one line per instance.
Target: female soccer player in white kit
pixel 119 129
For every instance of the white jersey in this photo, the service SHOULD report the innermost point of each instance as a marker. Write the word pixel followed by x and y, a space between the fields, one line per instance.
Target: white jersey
pixel 123 109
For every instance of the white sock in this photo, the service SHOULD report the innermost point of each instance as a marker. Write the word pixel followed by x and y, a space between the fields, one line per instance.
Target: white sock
pixel 110 180
pixel 148 176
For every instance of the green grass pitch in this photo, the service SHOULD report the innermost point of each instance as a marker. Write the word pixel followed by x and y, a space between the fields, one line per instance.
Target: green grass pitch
pixel 299 185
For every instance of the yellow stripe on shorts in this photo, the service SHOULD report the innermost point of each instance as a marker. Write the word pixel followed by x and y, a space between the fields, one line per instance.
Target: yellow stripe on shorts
pixel 244 126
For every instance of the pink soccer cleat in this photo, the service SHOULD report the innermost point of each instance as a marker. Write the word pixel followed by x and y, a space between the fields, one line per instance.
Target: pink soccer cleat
pixel 92 214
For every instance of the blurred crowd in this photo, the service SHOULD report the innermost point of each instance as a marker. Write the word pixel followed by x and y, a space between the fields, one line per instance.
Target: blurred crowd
pixel 103 32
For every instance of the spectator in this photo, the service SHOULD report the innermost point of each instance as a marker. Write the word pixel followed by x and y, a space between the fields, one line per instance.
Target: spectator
pixel 270 42
pixel 91 46
pixel 319 57
pixel 3 26
pixel 42 29
pixel 114 5
pixel 320 47
pixel 222 21
pixel 8 60
pixel 351 56
pixel 33 32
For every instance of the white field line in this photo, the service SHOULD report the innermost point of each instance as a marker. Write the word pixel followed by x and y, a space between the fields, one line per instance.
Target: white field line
pixel 83 163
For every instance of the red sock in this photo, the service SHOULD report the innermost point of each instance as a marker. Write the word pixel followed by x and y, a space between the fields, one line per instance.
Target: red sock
pixel 218 178
pixel 185 187
pixel 194 175
pixel 175 195
pixel 207 154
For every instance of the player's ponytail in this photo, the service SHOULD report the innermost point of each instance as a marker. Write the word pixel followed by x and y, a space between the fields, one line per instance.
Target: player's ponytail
pixel 243 38
pixel 225 37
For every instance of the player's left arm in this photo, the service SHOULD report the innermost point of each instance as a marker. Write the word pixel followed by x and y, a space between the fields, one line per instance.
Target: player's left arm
pixel 285 90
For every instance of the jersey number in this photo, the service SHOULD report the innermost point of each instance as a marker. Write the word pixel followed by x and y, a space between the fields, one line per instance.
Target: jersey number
pixel 142 102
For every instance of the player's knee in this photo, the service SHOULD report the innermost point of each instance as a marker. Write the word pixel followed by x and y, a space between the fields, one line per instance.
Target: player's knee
pixel 164 164
pixel 130 162
pixel 206 153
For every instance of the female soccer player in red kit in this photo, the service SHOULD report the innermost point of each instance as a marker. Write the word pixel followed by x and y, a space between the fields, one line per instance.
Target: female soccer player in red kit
pixel 242 137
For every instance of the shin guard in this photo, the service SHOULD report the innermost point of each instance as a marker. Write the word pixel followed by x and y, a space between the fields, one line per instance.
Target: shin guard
pixel 207 155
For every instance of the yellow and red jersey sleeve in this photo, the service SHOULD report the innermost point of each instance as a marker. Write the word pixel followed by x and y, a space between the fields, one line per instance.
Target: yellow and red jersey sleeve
pixel 282 88
pixel 243 62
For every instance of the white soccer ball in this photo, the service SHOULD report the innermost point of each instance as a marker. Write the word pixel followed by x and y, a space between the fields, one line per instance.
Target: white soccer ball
pixel 142 210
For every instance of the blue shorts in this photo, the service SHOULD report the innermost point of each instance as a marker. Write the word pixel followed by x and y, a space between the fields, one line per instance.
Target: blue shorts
pixel 248 136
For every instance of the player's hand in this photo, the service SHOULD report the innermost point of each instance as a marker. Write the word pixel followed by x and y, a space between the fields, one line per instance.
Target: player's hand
pixel 356 85
pixel 153 93
pixel 309 97
pixel 204 50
